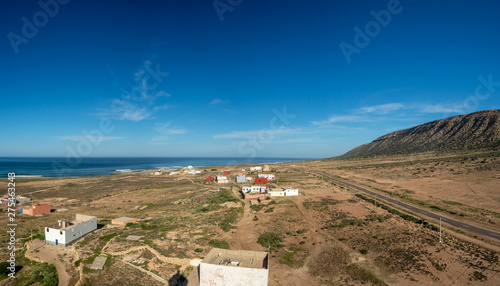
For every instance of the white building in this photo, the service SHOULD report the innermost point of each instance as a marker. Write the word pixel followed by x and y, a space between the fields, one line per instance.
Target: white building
pixel 256 168
pixel 173 173
pixel 283 192
pixel 254 189
pixel 267 176
pixel 291 192
pixel 68 230
pixel 223 267
pixel 276 192
pixel 157 173
pixel 240 179
pixel 249 179
pixel 222 179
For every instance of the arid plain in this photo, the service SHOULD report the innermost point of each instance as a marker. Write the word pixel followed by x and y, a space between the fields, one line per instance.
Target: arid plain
pixel 328 235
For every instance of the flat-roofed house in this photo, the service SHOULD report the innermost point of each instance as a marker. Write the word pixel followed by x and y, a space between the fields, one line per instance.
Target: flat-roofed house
pixel 291 192
pixel 240 179
pixel 267 176
pixel 222 180
pixel 276 192
pixel 37 209
pixel 260 180
pixel 223 267
pixel 254 192
pixel 68 230
pixel 282 192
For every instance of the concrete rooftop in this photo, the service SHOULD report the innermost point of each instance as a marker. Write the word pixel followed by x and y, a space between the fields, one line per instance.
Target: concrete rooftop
pixel 237 258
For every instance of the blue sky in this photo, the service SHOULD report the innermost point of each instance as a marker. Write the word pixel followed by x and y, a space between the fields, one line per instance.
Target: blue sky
pixel 237 78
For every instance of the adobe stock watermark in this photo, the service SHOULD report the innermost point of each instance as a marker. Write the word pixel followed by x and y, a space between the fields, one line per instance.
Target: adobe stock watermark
pixel 147 81
pixel 483 91
pixel 223 6
pixel 257 143
pixel 39 19
pixel 362 38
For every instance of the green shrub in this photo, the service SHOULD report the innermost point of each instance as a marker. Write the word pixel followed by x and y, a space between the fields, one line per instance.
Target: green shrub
pixel 364 275
pixel 108 237
pixel 45 275
pixel 287 259
pixel 270 239
pixel 198 250
pixel 257 207
pixel 219 243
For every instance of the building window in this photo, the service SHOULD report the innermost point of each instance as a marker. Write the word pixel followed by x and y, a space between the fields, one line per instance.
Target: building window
pixel 60 232
pixel 47 229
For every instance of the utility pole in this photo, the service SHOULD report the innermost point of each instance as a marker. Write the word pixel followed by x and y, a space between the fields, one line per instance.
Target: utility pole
pixel 440 241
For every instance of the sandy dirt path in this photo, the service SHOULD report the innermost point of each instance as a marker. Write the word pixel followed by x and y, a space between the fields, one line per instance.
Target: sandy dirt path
pixel 158 278
pixel 173 260
pixel 246 237
pixel 49 254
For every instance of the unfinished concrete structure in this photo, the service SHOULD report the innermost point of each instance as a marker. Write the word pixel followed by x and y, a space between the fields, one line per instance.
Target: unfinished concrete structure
pixel 67 230
pixel 122 221
pixel 234 268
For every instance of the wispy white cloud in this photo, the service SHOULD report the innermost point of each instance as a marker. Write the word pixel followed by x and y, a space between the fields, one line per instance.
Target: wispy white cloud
pixel 161 138
pixel 164 128
pixel 394 110
pixel 330 122
pixel 218 101
pixel 382 108
pixel 164 106
pixel 266 132
pixel 440 108
pixel 166 132
pixel 87 138
pixel 125 110
pixel 139 102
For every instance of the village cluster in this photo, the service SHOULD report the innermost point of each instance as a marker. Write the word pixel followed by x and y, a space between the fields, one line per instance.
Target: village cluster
pixel 259 189
pixel 219 265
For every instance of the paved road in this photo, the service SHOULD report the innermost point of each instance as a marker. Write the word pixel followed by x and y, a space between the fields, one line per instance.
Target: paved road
pixel 422 212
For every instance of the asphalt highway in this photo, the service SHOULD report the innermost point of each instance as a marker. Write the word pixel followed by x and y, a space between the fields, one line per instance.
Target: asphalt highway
pixel 462 225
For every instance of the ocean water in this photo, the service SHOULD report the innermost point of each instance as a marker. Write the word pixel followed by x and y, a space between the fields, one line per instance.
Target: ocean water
pixel 100 166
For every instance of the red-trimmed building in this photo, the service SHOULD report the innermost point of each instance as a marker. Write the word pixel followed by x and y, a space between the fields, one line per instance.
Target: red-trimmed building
pixel 260 180
pixel 36 209
pixel 210 179
pixel 227 173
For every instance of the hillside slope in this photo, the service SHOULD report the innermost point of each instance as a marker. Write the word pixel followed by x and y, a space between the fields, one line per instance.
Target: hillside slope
pixel 478 130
